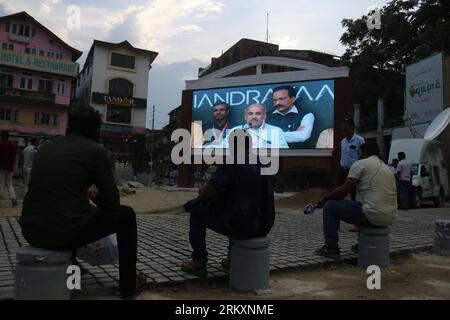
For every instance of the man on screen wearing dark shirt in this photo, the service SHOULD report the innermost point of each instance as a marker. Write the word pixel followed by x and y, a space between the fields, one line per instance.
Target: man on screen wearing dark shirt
pixel 296 124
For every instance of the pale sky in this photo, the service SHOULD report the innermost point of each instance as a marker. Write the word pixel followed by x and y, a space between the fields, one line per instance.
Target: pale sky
pixel 193 31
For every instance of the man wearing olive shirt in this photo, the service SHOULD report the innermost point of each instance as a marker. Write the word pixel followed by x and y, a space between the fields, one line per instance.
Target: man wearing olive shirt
pixel 56 213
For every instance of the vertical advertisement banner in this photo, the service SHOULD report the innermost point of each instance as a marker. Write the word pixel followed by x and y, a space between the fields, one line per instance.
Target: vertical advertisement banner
pixel 425 89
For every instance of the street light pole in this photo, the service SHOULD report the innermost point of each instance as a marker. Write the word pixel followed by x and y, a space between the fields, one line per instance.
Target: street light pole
pixel 151 146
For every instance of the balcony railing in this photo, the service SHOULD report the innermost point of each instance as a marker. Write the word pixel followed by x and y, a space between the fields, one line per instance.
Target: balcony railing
pixel 18 38
pixel 20 95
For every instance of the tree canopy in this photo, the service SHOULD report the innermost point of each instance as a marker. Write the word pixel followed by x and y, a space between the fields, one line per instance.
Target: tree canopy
pixel 410 30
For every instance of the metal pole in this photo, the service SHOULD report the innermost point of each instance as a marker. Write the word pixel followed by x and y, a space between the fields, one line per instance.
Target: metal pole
pixel 151 147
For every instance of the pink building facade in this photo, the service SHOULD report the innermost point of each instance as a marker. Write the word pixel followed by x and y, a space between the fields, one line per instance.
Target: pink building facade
pixel 37 76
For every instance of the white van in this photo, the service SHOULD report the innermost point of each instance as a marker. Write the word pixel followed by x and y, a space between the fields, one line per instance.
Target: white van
pixel 429 172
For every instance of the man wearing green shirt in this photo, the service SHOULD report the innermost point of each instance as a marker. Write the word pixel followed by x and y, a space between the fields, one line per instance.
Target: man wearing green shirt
pixel 56 213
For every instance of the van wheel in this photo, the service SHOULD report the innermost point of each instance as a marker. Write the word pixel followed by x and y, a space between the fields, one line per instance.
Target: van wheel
pixel 439 201
pixel 418 199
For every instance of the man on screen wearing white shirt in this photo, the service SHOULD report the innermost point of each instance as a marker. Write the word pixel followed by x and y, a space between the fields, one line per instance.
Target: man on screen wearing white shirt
pixel 263 134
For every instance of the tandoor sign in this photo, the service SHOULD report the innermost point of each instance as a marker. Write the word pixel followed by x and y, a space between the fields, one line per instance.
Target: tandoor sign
pixel 31 62
pixel 119 101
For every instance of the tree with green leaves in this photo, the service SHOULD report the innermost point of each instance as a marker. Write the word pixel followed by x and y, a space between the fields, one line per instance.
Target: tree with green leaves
pixel 410 30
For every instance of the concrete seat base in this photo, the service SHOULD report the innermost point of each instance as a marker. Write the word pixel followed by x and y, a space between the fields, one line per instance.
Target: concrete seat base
pixel 250 264
pixel 373 247
pixel 442 237
pixel 41 274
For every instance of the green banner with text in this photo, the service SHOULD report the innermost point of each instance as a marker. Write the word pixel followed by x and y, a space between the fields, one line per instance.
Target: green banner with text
pixel 31 62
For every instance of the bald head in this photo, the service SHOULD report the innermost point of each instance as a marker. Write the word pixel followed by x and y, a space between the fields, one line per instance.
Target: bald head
pixel 255 114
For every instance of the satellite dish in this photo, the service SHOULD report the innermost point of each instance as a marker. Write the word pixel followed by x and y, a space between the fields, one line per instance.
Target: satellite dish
pixel 438 125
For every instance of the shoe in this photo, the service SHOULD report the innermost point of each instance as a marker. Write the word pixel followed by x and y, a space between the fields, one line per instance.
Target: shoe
pixel 354 248
pixel 329 253
pixel 141 282
pixel 225 263
pixel 195 267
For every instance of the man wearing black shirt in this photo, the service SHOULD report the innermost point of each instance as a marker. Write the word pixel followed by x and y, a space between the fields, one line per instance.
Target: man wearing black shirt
pixel 237 202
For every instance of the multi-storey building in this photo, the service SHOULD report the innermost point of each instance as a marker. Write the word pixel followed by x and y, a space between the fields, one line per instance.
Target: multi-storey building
pixel 114 81
pixel 37 73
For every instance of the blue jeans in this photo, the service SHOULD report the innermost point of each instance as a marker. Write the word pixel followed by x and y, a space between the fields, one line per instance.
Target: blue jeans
pixel 345 210
pixel 403 193
pixel 202 218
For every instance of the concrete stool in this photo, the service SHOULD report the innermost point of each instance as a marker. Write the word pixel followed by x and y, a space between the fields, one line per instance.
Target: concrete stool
pixel 373 247
pixel 250 264
pixel 41 274
pixel 442 237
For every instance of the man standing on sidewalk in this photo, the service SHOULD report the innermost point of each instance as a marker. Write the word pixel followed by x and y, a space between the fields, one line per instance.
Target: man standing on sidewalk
pixel 28 157
pixel 8 154
pixel 403 176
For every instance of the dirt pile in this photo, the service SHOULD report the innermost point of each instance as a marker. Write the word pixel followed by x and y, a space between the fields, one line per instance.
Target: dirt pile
pixel 301 199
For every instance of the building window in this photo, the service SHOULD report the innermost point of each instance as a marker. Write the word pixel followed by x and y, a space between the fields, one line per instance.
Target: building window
pixel 45 85
pixel 6 79
pixel 26 82
pixel 41 53
pixel 118 114
pixel 47 119
pixel 21 30
pixel 7 46
pixel 8 115
pixel 120 87
pixel 30 51
pixel 61 87
pixel 122 60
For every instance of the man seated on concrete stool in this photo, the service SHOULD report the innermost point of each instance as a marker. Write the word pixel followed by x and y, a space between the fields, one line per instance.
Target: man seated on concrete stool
pixel 376 199
pixel 237 202
pixel 56 213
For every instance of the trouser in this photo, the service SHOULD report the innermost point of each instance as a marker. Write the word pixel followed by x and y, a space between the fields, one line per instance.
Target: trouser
pixel 6 185
pixel 403 194
pixel 123 222
pixel 345 210
pixel 343 173
pixel 202 218
pixel 26 177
